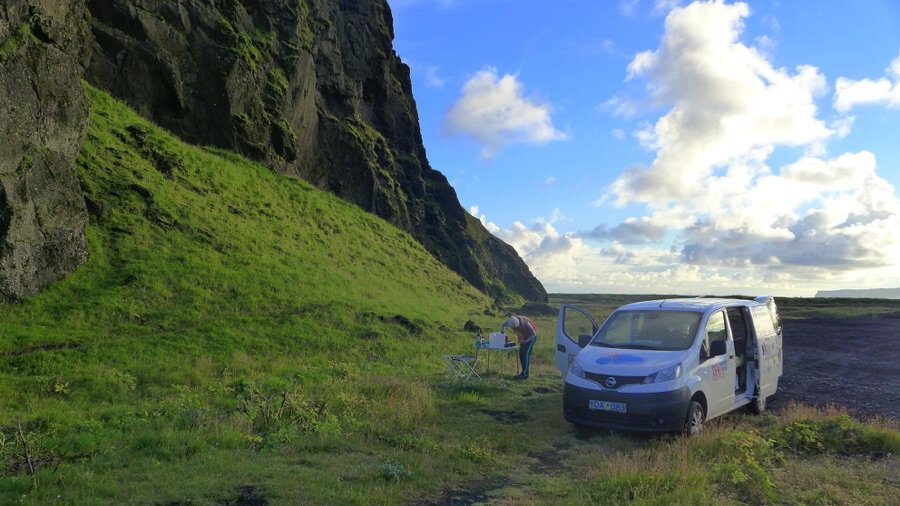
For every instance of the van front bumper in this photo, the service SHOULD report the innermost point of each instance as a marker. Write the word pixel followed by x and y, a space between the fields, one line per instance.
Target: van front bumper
pixel 649 412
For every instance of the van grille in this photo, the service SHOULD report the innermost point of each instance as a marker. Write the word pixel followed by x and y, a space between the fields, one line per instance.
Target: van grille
pixel 603 379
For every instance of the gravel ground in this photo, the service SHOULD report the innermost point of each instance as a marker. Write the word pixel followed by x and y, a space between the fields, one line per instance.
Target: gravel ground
pixel 849 362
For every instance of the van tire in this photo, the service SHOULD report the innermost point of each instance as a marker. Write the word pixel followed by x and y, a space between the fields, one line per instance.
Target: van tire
pixel 693 423
pixel 758 405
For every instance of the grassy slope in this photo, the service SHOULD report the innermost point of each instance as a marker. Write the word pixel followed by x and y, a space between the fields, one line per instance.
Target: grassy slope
pixel 235 335
pixel 212 283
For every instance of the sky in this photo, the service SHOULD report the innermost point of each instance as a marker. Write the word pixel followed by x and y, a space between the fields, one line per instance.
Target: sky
pixel 665 146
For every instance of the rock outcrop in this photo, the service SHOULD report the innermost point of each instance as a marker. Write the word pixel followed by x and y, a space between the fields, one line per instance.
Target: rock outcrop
pixel 312 88
pixel 44 48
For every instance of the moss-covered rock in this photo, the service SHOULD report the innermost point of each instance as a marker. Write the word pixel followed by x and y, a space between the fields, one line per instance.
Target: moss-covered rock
pixel 43 53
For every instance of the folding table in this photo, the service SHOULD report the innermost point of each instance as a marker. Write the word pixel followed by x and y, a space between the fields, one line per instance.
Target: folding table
pixel 490 350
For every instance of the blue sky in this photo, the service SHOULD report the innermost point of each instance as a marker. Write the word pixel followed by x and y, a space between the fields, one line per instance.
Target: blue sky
pixel 638 146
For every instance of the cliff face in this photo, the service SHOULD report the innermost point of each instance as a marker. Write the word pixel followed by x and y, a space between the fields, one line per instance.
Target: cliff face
pixel 43 52
pixel 312 88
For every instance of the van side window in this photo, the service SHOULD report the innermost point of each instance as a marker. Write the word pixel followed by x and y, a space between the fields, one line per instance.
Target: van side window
pixel 715 331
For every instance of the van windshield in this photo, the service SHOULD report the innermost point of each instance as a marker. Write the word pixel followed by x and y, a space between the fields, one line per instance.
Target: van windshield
pixel 649 330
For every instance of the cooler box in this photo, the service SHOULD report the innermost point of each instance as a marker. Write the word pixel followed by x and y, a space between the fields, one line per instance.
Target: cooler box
pixel 498 340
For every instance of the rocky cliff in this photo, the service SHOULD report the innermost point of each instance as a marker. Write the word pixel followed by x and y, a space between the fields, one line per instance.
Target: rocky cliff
pixel 44 48
pixel 313 89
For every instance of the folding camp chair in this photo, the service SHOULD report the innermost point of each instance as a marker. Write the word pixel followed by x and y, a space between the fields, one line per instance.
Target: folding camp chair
pixel 462 366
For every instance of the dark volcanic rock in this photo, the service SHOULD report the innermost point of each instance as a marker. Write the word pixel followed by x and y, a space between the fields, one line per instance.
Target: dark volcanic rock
pixel 43 52
pixel 312 88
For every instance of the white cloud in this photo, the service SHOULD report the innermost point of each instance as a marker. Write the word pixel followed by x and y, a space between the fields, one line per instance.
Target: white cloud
pixel 629 7
pixel 849 93
pixel 549 254
pixel 664 6
pixel 631 231
pixel 489 225
pixel 736 218
pixel 433 78
pixel 550 182
pixel 495 112
pixel 727 101
pixel 622 107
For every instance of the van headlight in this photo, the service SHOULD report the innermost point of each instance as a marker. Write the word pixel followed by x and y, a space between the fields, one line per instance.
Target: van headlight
pixel 576 370
pixel 667 374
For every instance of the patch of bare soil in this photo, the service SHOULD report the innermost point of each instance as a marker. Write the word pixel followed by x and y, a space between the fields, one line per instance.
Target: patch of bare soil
pixel 848 362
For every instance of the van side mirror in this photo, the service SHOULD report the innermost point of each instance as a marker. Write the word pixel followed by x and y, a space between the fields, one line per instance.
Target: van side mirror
pixel 717 349
pixel 584 340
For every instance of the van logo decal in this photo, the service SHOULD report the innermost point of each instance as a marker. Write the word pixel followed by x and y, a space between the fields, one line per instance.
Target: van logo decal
pixel 610 382
pixel 619 359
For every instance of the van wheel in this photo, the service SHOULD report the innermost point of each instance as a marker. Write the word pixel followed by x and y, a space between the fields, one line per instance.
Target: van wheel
pixel 693 424
pixel 758 405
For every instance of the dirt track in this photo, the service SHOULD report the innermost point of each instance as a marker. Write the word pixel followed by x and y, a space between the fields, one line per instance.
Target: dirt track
pixel 850 362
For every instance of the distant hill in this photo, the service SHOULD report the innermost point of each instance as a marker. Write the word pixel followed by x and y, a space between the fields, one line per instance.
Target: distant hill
pixel 872 293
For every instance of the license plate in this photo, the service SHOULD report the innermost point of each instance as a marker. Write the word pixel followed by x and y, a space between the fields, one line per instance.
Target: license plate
pixel 618 407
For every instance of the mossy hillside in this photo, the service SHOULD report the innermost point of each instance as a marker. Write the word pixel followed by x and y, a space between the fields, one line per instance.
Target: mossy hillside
pixel 214 288
pixel 182 238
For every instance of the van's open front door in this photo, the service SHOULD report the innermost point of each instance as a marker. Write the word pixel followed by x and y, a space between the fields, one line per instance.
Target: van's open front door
pixel 574 329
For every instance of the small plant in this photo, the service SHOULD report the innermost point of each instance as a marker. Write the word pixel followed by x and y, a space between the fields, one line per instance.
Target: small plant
pixel 744 463
pixel 476 453
pixel 394 472
pixel 61 388
pixel 801 436
pixel 254 440
pixel 55 385
pixel 274 412
pixel 127 381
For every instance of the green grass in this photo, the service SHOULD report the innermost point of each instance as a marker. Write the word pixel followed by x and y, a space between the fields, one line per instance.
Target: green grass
pixel 16 41
pixel 240 334
pixel 828 307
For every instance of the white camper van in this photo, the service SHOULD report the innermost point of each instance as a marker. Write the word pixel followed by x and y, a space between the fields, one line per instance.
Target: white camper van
pixel 668 365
